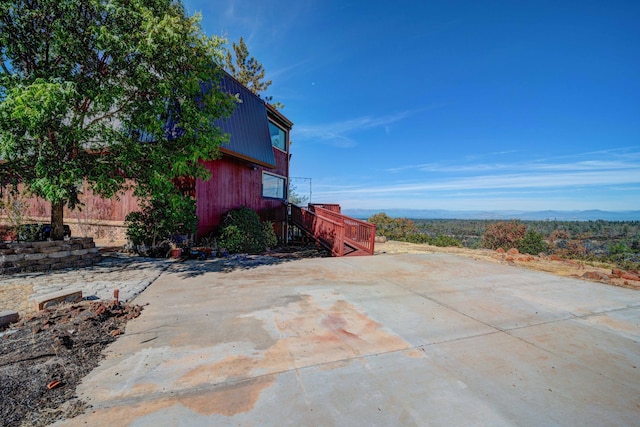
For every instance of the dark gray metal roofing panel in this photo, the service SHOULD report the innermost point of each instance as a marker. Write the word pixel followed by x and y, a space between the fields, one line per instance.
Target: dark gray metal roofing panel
pixel 248 127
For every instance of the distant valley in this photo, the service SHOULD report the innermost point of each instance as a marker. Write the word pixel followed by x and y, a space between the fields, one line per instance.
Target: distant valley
pixel 588 215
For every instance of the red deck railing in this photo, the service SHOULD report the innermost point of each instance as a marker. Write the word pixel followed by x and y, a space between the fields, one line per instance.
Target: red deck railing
pixel 334 230
pixel 328 232
pixel 333 207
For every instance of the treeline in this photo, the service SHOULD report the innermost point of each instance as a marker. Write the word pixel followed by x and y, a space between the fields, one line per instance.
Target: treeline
pixel 614 241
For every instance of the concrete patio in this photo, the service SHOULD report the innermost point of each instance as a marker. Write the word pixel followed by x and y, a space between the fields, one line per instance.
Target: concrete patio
pixel 425 339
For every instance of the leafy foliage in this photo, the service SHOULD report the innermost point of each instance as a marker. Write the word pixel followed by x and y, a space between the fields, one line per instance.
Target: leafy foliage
pixel 270 238
pixel 404 229
pixel 533 243
pixel 101 90
pixel 247 71
pixel 418 238
pixel 162 218
pixel 504 234
pixel 393 228
pixel 242 232
pixel 442 240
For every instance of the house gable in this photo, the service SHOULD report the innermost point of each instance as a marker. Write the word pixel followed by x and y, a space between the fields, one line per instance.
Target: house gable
pixel 247 126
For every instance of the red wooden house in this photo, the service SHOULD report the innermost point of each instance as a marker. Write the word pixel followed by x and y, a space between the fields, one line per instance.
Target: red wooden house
pixel 254 168
pixel 253 172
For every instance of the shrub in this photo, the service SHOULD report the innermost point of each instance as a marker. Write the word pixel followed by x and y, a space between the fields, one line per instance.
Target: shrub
pixel 533 243
pixel 418 238
pixel 270 238
pixel 444 241
pixel 242 232
pixel 619 248
pixel 504 234
pixel 161 219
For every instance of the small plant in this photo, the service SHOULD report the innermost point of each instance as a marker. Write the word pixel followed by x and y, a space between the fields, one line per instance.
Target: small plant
pixel 12 205
pixel 418 238
pixel 270 239
pixel 533 243
pixel 445 241
pixel 29 232
pixel 242 232
pixel 160 220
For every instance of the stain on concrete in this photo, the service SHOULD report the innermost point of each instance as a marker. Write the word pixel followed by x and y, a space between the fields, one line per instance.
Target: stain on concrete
pixel 311 335
pixel 229 399
pixel 232 368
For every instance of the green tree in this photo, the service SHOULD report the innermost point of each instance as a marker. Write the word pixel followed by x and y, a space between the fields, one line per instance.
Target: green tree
pixel 102 90
pixel 533 243
pixel 247 70
pixel 393 228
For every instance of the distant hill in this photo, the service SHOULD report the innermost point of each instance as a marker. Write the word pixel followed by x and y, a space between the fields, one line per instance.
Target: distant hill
pixel 590 215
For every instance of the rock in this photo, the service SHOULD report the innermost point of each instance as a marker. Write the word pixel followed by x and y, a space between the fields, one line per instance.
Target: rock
pixel 513 251
pixel 381 239
pixel 500 250
pixel 595 275
pixel 630 276
pixel 616 272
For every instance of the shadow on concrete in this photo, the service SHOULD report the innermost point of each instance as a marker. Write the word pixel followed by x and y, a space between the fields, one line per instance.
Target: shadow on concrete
pixel 114 262
pixel 193 267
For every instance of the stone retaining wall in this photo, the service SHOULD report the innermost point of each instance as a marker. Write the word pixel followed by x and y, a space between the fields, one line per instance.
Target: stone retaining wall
pixel 42 256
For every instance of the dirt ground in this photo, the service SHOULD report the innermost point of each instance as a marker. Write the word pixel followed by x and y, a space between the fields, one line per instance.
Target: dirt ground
pixel 47 354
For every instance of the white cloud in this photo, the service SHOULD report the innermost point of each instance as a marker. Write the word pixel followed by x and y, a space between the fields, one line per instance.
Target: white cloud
pixel 337 133
pixel 607 180
pixel 616 162
pixel 507 181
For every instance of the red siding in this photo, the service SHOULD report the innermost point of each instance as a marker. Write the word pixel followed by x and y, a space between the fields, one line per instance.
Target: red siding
pixel 95 208
pixel 235 183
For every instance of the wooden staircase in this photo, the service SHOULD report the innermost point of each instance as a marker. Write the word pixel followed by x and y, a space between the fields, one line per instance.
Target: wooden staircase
pixel 340 234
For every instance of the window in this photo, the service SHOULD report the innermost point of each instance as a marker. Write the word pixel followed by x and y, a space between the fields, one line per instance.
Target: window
pixel 273 186
pixel 278 137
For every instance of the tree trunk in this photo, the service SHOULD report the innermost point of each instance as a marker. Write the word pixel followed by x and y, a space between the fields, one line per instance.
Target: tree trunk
pixel 57 221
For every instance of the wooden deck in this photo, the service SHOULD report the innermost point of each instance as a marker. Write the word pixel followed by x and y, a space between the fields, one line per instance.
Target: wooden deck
pixel 340 234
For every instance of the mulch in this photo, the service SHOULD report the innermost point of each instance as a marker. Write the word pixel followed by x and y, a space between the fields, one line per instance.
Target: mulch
pixel 44 357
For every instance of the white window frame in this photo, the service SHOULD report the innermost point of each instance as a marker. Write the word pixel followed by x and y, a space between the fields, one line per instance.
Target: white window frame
pixel 285 134
pixel 284 187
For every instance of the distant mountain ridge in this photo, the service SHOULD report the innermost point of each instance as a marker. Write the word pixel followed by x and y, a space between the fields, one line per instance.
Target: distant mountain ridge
pixel 588 215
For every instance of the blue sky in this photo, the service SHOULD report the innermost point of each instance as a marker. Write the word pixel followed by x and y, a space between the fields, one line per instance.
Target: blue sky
pixel 459 105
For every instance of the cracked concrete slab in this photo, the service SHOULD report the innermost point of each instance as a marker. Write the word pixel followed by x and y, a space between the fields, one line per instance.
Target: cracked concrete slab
pixel 422 339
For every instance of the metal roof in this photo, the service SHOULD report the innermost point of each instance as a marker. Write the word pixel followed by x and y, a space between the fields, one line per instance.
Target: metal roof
pixel 248 126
